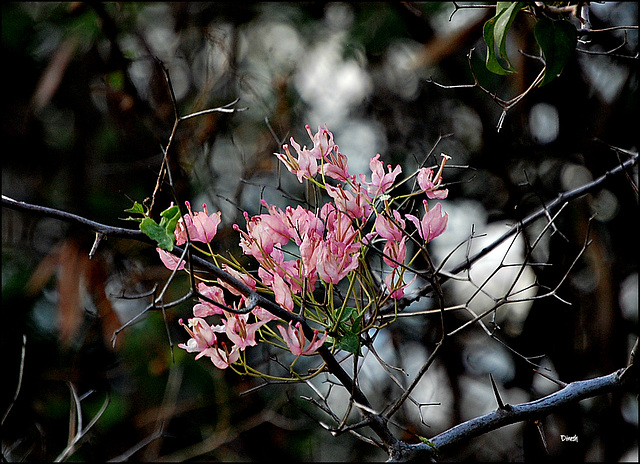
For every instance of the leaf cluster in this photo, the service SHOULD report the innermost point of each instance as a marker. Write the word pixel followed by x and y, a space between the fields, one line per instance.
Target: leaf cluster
pixel 557 39
pixel 162 233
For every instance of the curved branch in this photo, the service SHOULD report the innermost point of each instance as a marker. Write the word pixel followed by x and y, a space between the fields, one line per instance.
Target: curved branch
pixel 558 201
pixel 75 219
pixel 508 414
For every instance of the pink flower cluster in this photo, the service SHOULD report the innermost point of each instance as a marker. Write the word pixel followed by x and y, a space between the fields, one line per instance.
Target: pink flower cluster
pixel 330 246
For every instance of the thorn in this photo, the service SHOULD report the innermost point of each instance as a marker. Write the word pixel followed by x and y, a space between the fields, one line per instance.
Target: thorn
pixel 538 425
pixel 94 248
pixel 632 355
pixel 560 383
pixel 501 404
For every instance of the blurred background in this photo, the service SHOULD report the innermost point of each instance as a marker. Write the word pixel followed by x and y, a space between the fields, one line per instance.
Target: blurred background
pixel 86 111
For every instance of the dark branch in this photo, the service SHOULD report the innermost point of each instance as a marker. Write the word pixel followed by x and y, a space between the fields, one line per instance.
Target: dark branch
pixel 376 422
pixel 75 219
pixel 544 211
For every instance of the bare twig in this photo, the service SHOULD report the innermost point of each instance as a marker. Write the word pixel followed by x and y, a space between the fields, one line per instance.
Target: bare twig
pixel 23 353
pixel 562 198
pixel 607 29
pixel 506 105
pixel 103 229
pixel 79 432
pixel 612 51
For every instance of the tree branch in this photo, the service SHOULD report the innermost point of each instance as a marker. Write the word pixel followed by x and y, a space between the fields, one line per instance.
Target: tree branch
pixel 397 450
pixel 560 200
pixel 99 228
pixel 455 436
pixel 376 422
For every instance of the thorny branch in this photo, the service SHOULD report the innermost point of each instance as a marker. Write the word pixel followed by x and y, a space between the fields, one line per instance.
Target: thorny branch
pixel 506 105
pixel 560 200
pixel 396 449
pixel 511 414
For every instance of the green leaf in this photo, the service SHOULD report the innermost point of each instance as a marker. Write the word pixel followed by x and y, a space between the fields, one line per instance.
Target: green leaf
pixel 495 33
pixel 163 233
pixel 137 208
pixel 347 313
pixel 169 218
pixel 350 343
pixel 159 234
pixel 503 23
pixel 557 40
pixel 492 63
pixel 428 442
pixel 351 327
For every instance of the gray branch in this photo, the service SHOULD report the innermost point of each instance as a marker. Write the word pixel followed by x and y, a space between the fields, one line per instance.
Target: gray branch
pixel 538 409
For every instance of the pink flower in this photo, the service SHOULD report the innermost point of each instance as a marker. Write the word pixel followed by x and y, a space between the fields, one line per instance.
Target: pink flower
pixel 335 261
pixel 202 336
pixel 295 340
pixel 304 166
pixel 339 226
pixel 170 261
pixel 387 228
pixel 205 308
pixel 322 142
pixel 338 253
pixel 260 238
pixel 303 223
pixel 396 289
pixel 282 292
pixel 221 356
pixel 432 224
pixel 263 315
pixel 250 246
pixel 277 221
pixel 357 204
pixel 199 227
pixel 394 252
pixel 241 333
pixel 430 182
pixel 336 166
pixel 275 265
pixel 203 340
pixel 309 250
pixel 241 276
pixel 380 181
